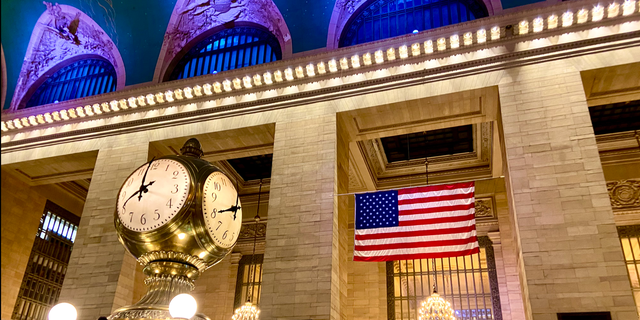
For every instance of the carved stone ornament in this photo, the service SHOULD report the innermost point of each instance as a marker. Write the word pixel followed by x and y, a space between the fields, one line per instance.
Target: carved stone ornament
pixel 248 231
pixel 624 194
pixel 484 208
pixel 63 32
pixel 191 18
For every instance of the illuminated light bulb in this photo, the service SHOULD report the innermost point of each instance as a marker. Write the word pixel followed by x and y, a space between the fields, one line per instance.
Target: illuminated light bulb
pixel 237 83
pixel 379 56
pixel 523 27
pixel 481 35
pixel 55 115
pixel 246 81
pixel 88 111
pixel 311 71
pixel 182 306
pixel 63 311
pixel 105 107
pixel 181 236
pixel 4 126
pixel 64 115
pixel 72 112
pixel 25 122
pixel 17 123
pixel 495 33
pixel 202 254
pixel 288 74
pixel 552 21
pixel 188 92
pixel 415 49
pixel 150 99
pixel 366 59
pixel 403 52
pixel 141 101
pixel 391 54
pixel 538 24
pixel 197 90
pixel 355 61
pixel 467 38
pixel 257 80
pixel 78 110
pixel 299 72
pixel 583 15
pixel 226 85
pixel 48 118
pixel 168 95
pixel 97 109
pixel 613 10
pixel 267 78
pixel 567 19
pixel 278 76
pixel 33 121
pixel 217 87
pixel 428 46
pixel 332 65
pixel 344 64
pixel 628 6
pixel 597 13
pixel 40 119
pixel 159 97
pixel 178 94
pixel 455 41
pixel 207 89
pixel 114 105
pixel 321 68
pixel 10 125
pixel 132 102
pixel 442 44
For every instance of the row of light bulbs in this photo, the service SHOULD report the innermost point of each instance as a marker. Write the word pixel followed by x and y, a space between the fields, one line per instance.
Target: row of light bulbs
pixel 356 61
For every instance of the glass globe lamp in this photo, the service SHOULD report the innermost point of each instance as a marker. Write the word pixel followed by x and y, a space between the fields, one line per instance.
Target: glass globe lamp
pixel 435 308
pixel 63 311
pixel 246 312
pixel 183 306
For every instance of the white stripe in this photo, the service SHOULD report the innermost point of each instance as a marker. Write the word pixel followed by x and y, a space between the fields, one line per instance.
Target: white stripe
pixel 439 237
pixel 434 226
pixel 445 214
pixel 436 193
pixel 436 204
pixel 393 252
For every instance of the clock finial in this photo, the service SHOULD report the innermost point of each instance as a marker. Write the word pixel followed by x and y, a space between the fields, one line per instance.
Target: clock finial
pixel 192 148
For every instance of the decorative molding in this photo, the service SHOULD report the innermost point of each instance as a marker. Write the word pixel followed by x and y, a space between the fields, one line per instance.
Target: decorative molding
pixel 248 231
pixel 624 194
pixel 484 208
pixel 62 33
pixel 192 20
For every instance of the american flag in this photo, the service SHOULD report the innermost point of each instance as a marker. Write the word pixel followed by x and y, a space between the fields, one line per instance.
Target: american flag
pixel 416 223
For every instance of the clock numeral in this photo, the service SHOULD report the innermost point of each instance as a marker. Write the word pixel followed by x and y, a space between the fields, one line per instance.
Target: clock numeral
pixel 124 195
pixel 129 182
pixel 155 165
pixel 214 196
pixel 130 217
pixel 216 186
pixel 143 220
pixel 175 174
pixel 219 224
pixel 224 235
pixel 214 213
pixel 158 213
pixel 224 182
pixel 233 234
pixel 169 204
pixel 167 168
pixel 176 190
pixel 141 172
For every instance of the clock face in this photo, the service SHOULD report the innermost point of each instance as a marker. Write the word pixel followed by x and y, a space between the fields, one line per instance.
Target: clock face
pixel 221 209
pixel 153 195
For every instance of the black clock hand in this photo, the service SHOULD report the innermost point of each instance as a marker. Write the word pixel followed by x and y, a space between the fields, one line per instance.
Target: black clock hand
pixel 142 186
pixel 133 195
pixel 237 208
pixel 144 189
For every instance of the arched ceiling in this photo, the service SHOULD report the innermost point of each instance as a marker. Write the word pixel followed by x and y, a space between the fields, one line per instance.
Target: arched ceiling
pixel 137 28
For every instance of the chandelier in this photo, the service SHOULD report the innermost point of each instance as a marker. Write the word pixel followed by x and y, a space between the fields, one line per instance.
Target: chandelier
pixel 249 311
pixel 435 308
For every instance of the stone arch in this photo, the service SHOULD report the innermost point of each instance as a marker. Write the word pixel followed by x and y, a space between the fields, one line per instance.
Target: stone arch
pixel 53 42
pixel 191 20
pixel 344 9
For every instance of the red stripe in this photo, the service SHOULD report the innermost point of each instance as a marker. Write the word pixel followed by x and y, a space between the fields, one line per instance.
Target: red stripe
pixel 418 255
pixel 402 234
pixel 436 188
pixel 436 220
pixel 437 209
pixel 438 198
pixel 423 244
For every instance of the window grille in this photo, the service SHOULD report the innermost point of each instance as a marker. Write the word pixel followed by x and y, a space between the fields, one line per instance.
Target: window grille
pixel 389 18
pixel 245 270
pixel 226 50
pixel 79 79
pixel 469 283
pixel 630 240
pixel 47 264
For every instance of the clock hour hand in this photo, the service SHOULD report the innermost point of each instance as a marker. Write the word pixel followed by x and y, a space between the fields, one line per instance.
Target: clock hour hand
pixel 133 195
pixel 144 189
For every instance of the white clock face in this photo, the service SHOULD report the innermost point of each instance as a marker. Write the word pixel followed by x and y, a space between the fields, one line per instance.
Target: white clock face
pixel 221 209
pixel 153 195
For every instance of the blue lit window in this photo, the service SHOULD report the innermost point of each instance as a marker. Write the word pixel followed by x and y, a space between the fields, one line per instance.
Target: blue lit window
pixel 389 18
pixel 79 79
pixel 226 50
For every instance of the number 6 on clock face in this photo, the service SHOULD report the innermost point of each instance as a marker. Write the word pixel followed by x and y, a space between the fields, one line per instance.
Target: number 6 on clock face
pixel 221 209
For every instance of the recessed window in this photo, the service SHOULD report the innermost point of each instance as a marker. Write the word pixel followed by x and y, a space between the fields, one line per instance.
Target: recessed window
pixel 389 18
pixel 79 79
pixel 249 280
pixel 227 50
pixel 432 143
pixel 253 168
pixel 615 117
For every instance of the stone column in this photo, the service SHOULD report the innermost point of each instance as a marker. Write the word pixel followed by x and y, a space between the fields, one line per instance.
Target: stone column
pixel 215 289
pixel 302 278
pixel 571 259
pixel 100 276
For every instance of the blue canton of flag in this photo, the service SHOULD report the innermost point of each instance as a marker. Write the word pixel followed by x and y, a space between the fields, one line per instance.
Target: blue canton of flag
pixel 377 210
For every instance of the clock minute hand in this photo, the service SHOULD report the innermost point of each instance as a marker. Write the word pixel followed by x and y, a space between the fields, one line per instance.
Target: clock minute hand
pixel 133 195
pixel 142 186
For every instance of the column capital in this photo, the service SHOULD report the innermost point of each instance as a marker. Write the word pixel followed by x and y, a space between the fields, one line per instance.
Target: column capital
pixel 235 257
pixel 495 237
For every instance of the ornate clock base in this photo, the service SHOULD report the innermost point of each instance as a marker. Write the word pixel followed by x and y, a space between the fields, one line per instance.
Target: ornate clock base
pixel 165 280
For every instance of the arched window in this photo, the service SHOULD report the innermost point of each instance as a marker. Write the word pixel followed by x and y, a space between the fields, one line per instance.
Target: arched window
pixel 229 49
pixel 389 18
pixel 79 79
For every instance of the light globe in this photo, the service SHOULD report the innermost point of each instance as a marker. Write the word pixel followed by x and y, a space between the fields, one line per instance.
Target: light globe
pixel 183 306
pixel 63 311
